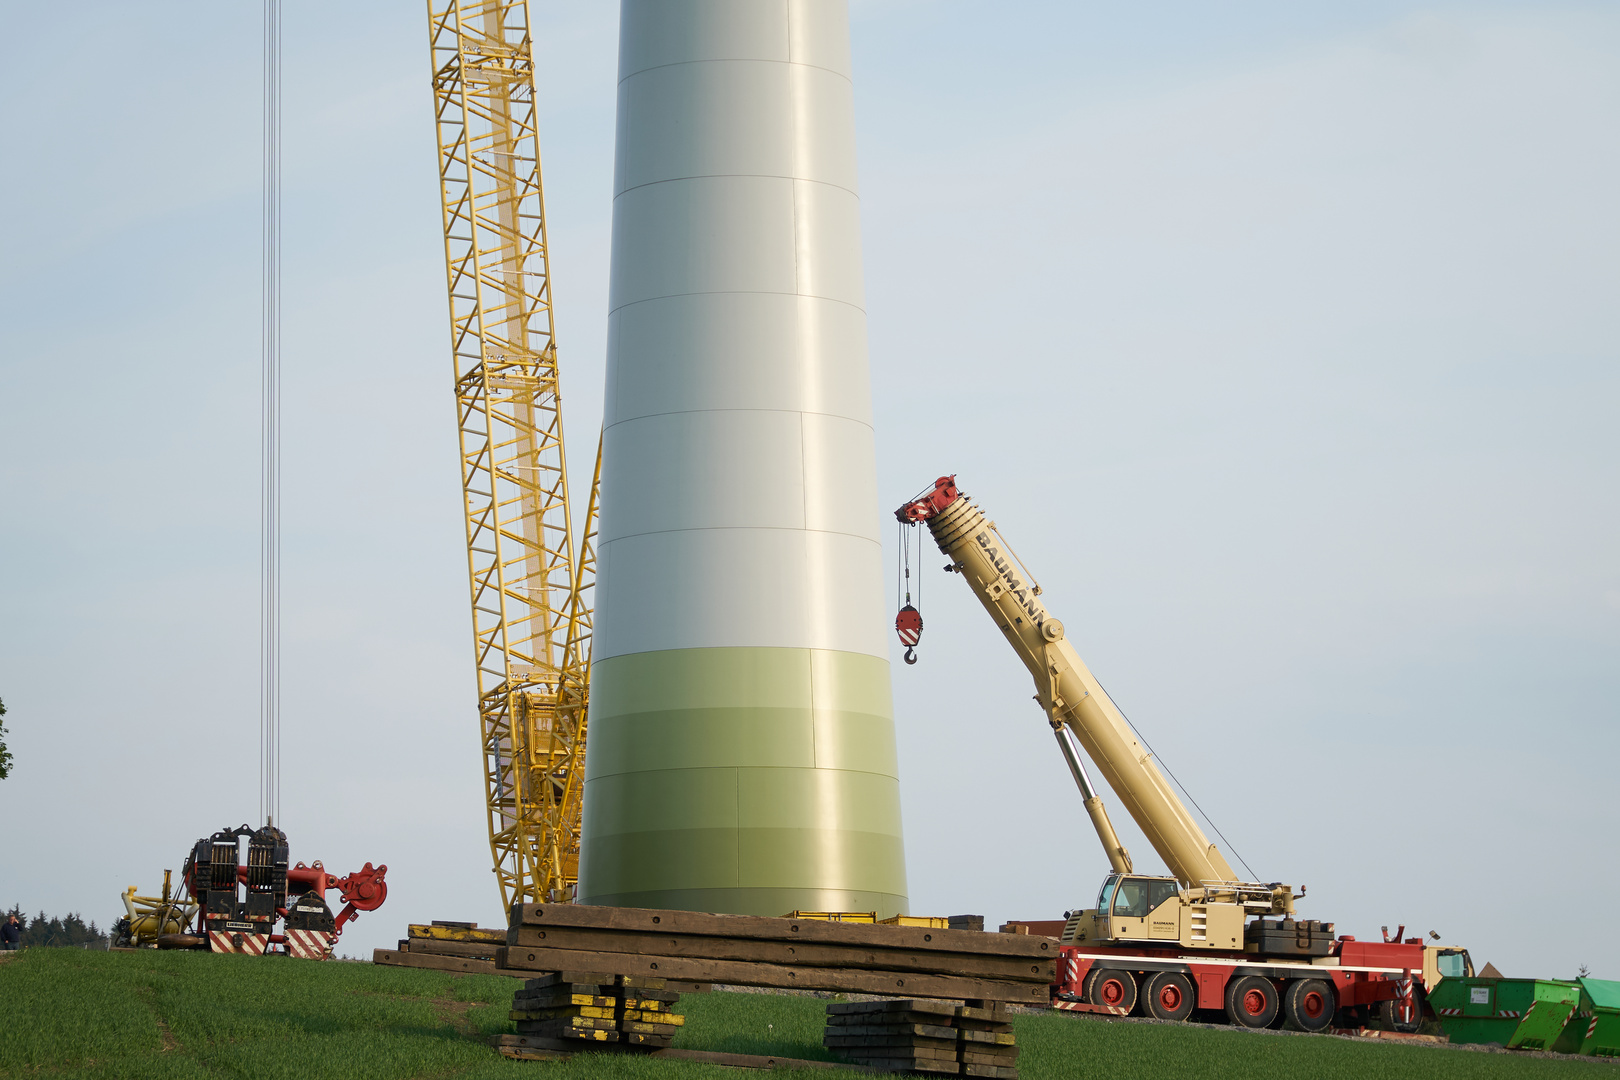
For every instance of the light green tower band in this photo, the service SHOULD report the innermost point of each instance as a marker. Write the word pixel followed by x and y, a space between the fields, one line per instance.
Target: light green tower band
pixel 748 780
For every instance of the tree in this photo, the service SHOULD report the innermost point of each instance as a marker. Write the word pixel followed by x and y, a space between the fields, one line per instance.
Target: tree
pixel 5 755
pixel 69 931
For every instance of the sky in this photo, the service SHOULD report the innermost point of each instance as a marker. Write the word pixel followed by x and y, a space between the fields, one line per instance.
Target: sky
pixel 1280 339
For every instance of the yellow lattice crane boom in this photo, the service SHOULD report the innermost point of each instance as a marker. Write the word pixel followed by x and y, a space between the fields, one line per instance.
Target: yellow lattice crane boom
pixel 530 595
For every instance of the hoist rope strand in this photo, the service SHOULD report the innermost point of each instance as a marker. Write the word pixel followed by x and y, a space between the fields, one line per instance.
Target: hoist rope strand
pixel 1179 784
pixel 270 430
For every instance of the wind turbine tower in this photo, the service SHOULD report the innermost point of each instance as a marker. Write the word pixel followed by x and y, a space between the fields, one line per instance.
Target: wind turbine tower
pixel 741 755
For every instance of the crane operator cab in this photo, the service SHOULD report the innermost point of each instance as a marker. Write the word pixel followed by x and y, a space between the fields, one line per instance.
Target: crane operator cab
pixel 1141 908
pixel 1445 963
pixel 1134 907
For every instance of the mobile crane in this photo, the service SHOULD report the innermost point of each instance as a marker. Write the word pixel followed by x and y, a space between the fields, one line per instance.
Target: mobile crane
pixel 1198 937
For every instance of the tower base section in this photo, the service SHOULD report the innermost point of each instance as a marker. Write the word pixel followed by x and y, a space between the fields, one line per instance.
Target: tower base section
pixel 751 781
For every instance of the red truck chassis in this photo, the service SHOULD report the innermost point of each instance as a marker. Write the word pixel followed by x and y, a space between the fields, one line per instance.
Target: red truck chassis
pixel 1358 981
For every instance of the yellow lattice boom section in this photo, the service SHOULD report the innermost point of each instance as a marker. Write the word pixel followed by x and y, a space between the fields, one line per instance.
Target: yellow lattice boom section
pixel 530 599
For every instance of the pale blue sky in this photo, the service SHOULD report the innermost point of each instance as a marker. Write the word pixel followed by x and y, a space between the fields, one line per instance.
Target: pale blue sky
pixel 1281 340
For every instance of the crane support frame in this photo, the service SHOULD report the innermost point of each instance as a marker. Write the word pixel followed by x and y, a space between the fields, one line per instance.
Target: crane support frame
pixel 530 599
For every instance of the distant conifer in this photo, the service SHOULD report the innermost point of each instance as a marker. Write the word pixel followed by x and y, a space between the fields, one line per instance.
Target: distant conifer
pixel 69 931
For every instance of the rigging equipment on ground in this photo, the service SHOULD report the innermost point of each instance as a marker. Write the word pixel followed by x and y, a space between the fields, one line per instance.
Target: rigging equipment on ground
pixel 236 903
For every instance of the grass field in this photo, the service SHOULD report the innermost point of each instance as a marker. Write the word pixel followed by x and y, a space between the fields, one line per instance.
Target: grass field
pixel 161 1015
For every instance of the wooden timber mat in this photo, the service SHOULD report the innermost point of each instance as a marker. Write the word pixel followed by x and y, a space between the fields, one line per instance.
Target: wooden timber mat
pixel 586 1010
pixel 920 1036
pixel 802 954
pixel 445 946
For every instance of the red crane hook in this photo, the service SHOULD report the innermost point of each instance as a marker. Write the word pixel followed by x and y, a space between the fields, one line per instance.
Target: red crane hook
pixel 908 624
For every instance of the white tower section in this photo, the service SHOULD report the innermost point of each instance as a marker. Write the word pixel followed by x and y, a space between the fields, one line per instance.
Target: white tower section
pixel 741 752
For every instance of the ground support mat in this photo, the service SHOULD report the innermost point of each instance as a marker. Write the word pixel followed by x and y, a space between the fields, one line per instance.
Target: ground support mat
pixel 805 954
pixel 445 946
pixel 923 1036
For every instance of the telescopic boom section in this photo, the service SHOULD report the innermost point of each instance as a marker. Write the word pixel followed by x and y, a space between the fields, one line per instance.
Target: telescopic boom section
pixel 1073 700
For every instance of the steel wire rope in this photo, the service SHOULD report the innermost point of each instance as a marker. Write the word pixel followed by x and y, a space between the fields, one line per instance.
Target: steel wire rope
pixel 899 547
pixel 270 428
pixel 903 587
pixel 906 559
pixel 1210 821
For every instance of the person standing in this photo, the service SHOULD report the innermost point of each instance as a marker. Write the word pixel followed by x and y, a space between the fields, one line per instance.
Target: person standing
pixel 10 933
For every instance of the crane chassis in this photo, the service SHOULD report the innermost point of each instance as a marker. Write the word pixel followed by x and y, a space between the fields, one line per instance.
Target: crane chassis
pixel 1356 984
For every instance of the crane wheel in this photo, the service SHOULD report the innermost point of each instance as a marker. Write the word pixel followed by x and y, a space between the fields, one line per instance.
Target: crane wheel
pixel 1402 1015
pixel 1251 1001
pixel 1308 1005
pixel 1112 989
pixel 1168 995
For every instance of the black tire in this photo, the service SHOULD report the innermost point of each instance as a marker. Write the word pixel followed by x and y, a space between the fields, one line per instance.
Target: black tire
pixel 1309 1004
pixel 1168 995
pixel 1087 982
pixel 1112 989
pixel 1403 1016
pixel 1251 1001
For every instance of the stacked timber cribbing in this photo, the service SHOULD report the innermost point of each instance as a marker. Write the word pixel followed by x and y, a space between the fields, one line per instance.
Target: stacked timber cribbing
pixel 924 1037
pixel 984 1041
pixel 805 954
pixel 593 1008
pixel 445 946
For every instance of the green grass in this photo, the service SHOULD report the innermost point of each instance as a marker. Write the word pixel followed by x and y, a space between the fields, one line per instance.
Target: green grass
pixel 163 1015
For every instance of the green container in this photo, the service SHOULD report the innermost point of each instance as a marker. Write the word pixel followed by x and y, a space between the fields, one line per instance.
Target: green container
pixel 1594 1029
pixel 1520 1014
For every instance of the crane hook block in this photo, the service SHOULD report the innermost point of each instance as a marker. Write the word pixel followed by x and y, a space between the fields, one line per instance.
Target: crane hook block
pixel 908 624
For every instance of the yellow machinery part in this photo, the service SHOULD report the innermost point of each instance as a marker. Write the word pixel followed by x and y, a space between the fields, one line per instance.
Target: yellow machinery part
pixel 834 916
pixel 930 922
pixel 152 916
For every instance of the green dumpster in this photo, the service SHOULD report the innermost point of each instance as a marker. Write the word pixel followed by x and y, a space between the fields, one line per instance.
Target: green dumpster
pixel 1595 1028
pixel 1520 1014
pixel 1574 1033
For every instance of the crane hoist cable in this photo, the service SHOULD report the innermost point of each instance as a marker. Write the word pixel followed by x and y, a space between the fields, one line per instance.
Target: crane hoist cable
pixel 270 430
pixel 908 621
pixel 1173 779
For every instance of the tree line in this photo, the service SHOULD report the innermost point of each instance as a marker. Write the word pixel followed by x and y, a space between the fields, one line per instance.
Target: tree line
pixel 70 930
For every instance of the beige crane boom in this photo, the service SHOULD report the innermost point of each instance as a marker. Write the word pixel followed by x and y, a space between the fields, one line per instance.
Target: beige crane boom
pixel 1080 710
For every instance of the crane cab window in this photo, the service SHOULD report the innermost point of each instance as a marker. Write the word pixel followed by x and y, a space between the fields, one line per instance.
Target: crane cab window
pixel 1106 897
pixel 1453 965
pixel 1135 897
